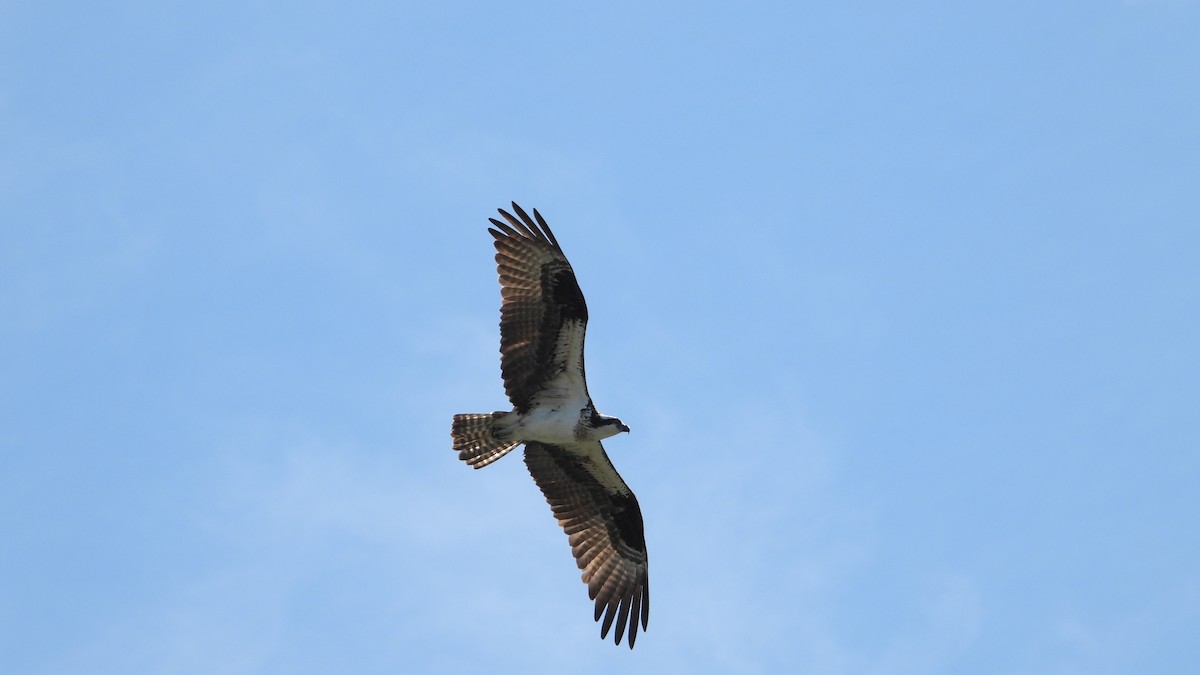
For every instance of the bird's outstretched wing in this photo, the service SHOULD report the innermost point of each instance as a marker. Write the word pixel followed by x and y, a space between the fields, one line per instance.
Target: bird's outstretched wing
pixel 543 316
pixel 603 523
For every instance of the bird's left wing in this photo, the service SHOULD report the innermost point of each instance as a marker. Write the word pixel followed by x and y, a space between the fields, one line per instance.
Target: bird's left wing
pixel 603 523
pixel 543 315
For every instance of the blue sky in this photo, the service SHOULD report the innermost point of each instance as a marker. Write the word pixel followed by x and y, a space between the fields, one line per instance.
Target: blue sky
pixel 899 300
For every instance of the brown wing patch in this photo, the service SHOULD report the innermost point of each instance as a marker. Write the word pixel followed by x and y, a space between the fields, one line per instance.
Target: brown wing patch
pixel 538 293
pixel 603 523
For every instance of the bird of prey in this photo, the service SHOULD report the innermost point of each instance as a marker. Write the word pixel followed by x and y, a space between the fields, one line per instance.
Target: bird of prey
pixel 543 318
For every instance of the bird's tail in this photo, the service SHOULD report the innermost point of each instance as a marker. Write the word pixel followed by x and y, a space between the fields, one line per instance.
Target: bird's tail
pixel 474 442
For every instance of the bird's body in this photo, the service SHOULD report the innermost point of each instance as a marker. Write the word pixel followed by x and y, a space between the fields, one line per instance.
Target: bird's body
pixel 543 322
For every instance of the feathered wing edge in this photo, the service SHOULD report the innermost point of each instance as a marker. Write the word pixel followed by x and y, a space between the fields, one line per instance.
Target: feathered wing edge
pixel 603 523
pixel 527 226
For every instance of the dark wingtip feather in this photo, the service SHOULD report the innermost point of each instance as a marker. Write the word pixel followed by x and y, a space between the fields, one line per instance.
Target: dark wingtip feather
pixel 546 228
pixel 645 602
pixel 517 225
pixel 634 613
pixel 608 621
pixel 506 229
pixel 528 222
pixel 622 617
pixel 521 212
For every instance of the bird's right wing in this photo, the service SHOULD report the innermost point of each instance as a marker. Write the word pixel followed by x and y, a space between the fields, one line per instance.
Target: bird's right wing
pixel 603 523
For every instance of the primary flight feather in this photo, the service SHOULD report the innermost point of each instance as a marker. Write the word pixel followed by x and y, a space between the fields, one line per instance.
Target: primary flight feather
pixel 543 320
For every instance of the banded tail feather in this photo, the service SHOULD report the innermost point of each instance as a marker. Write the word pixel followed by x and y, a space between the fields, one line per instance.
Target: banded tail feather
pixel 473 439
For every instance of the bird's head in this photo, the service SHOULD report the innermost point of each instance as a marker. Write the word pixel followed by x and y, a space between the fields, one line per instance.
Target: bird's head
pixel 608 426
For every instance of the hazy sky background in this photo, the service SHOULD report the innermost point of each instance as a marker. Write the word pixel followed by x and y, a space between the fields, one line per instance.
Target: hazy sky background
pixel 899 299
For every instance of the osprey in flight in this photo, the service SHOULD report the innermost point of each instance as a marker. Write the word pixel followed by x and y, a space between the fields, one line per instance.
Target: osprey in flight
pixel 542 322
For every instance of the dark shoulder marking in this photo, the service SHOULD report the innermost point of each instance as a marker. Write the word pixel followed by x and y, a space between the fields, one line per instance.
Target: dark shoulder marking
pixel 565 293
pixel 627 518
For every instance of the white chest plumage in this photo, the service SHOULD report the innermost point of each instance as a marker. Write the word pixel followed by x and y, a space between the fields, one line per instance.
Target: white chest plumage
pixel 553 424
